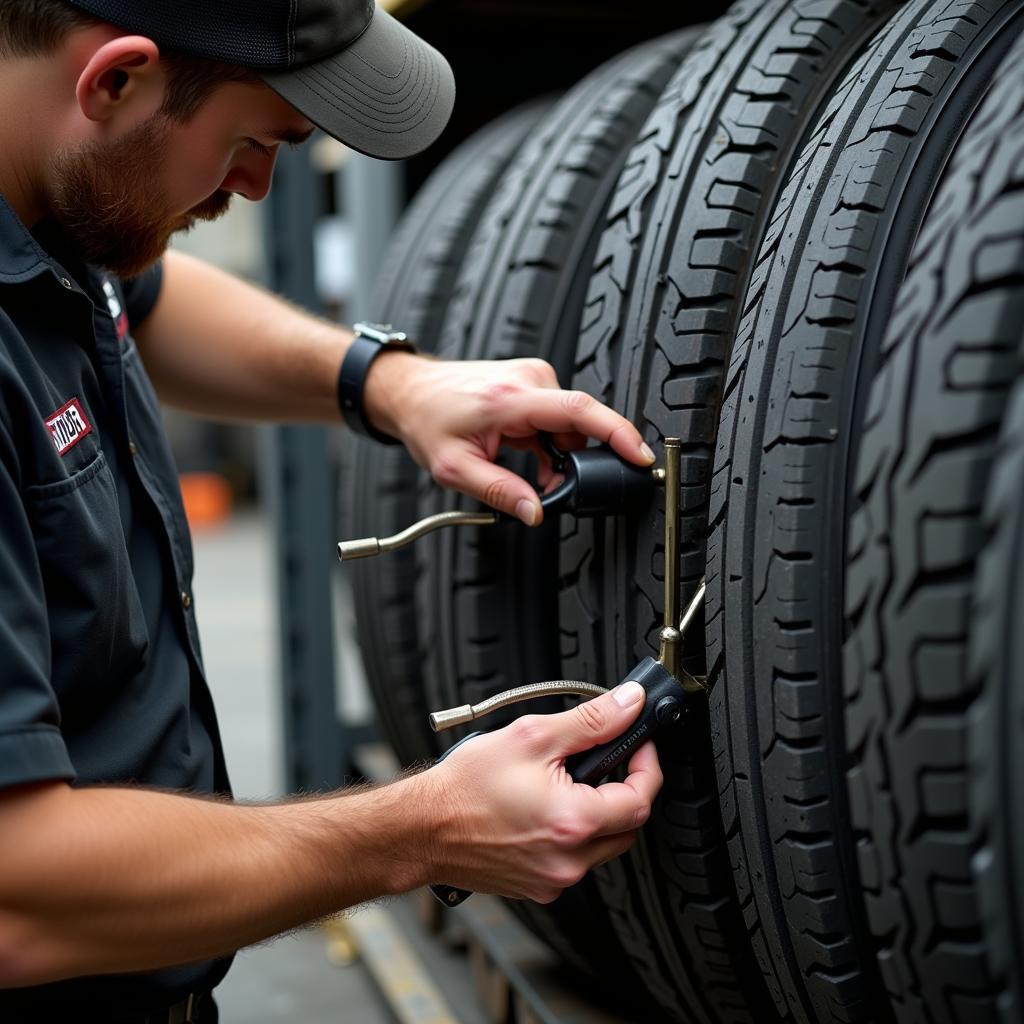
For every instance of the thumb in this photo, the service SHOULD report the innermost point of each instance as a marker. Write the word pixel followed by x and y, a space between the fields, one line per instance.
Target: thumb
pixel 601 719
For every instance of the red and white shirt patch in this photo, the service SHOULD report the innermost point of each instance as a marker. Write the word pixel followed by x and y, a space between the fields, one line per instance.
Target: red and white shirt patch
pixel 67 426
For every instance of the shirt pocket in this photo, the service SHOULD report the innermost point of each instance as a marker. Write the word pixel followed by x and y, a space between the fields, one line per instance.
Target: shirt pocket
pixel 98 634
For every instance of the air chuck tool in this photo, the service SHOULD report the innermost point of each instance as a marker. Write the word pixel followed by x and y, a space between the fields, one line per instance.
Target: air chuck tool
pixel 597 483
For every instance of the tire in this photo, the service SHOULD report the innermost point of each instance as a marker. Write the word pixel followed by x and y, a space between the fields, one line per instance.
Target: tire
pixel 519 296
pixel 821 295
pixel 662 305
pixel 488 597
pixel 946 367
pixel 418 273
pixel 996 741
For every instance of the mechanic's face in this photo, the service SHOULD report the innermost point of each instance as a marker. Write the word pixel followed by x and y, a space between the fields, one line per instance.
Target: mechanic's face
pixel 120 201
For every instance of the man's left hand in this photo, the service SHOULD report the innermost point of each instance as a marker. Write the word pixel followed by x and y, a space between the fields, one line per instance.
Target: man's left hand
pixel 455 416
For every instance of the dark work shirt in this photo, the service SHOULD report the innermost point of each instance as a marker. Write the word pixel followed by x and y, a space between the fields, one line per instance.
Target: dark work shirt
pixel 101 677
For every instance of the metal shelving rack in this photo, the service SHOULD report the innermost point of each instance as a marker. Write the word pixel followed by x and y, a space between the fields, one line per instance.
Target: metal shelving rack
pixel 300 476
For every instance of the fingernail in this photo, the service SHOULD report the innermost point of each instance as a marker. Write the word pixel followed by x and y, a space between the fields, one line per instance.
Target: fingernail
pixel 646 452
pixel 628 693
pixel 527 511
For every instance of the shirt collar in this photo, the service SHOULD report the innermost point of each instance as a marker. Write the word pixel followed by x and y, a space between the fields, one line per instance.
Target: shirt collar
pixel 21 256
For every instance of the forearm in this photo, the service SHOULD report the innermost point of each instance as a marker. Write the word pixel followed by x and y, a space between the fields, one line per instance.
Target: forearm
pixel 111 880
pixel 220 347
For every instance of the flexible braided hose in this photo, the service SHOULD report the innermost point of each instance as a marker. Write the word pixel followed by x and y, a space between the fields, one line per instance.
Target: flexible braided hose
pixel 441 720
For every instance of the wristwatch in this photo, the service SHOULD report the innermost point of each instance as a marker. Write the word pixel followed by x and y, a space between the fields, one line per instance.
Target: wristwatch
pixel 370 340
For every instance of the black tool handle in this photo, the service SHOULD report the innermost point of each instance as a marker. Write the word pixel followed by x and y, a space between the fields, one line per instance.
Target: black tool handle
pixel 598 482
pixel 450 895
pixel 665 703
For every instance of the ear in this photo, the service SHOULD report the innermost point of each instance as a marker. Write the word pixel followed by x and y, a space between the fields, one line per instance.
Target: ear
pixel 124 72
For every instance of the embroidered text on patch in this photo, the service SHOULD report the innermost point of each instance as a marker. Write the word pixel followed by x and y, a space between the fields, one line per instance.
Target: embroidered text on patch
pixel 67 426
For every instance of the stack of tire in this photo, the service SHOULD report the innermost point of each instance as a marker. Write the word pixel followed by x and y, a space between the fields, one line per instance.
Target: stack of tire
pixel 795 239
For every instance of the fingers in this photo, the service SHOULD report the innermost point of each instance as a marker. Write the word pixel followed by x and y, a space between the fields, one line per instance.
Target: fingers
pixel 494 485
pixel 567 412
pixel 594 721
pixel 599 851
pixel 607 848
pixel 623 806
pixel 546 476
pixel 619 808
pixel 543 372
pixel 645 776
pixel 509 403
pixel 567 442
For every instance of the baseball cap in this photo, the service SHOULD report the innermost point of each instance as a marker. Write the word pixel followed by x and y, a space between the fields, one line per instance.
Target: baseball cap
pixel 346 65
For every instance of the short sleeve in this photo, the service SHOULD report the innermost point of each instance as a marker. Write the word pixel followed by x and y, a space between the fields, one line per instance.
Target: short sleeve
pixel 31 745
pixel 141 293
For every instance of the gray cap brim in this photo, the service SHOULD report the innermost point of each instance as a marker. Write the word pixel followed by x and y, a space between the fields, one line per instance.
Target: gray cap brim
pixel 389 94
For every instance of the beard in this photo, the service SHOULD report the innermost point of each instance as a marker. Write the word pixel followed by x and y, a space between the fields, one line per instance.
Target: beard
pixel 107 199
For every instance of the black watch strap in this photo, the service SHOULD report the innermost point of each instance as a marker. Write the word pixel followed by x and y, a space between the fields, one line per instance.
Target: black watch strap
pixel 369 342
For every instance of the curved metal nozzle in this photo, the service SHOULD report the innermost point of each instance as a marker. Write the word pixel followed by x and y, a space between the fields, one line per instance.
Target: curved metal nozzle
pixel 693 684
pixel 693 607
pixel 367 547
pixel 441 720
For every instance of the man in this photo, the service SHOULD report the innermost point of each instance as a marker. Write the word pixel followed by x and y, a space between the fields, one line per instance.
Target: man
pixel 127 877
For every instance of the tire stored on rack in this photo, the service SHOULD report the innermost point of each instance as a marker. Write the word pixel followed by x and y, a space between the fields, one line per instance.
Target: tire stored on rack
pixel 996 742
pixel 412 292
pixel 951 356
pixel 671 269
pixel 487 597
pixel 816 310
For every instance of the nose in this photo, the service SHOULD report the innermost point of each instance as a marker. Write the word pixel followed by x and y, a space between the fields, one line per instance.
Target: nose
pixel 250 174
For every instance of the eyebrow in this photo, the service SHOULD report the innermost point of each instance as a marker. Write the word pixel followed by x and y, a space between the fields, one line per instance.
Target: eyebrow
pixel 290 136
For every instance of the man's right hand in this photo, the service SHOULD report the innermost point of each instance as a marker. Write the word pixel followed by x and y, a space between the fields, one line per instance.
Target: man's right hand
pixel 515 823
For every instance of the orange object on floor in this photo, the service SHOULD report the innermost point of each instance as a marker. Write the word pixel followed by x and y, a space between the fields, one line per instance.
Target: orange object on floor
pixel 207 498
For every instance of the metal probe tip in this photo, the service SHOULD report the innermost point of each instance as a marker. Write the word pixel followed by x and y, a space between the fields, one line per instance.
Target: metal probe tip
pixel 693 607
pixel 367 547
pixel 440 720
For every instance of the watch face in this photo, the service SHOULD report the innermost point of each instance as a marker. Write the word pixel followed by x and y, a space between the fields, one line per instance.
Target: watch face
pixel 380 332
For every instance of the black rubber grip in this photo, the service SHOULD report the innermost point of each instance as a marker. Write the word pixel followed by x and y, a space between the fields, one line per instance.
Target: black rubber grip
pixel 450 895
pixel 666 700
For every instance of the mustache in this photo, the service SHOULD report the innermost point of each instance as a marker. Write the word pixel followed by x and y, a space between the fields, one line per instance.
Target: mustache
pixel 212 207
